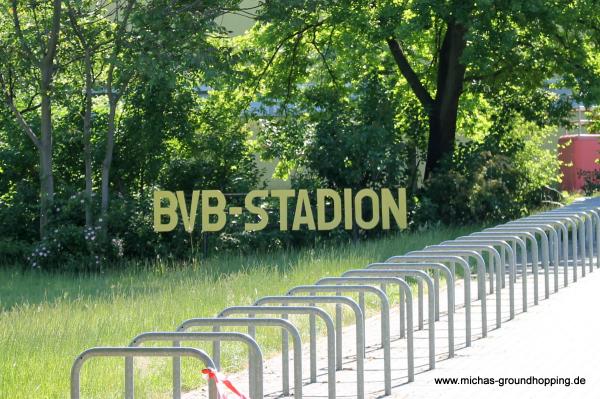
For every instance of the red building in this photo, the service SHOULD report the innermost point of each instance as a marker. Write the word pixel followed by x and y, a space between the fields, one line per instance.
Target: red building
pixel 579 154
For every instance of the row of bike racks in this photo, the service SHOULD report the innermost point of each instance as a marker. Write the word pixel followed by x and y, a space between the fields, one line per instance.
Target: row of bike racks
pixel 567 237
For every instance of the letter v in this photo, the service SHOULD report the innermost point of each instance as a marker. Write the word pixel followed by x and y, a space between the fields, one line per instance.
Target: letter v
pixel 188 220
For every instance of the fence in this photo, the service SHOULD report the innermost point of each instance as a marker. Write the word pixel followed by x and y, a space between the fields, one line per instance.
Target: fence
pixel 567 238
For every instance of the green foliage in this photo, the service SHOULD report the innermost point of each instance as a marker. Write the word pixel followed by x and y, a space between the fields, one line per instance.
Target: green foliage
pixel 339 140
pixel 502 178
pixel 591 181
pixel 593 116
pixel 348 117
pixel 216 154
pixel 12 251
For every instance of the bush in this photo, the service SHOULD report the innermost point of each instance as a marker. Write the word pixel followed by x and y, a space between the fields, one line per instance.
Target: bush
pixel 13 251
pixel 498 179
pixel 591 181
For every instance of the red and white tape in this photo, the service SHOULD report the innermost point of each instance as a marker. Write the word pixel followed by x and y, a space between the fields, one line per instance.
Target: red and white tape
pixel 223 383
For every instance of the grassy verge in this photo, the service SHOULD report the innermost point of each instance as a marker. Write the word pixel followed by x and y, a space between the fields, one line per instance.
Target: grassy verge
pixel 46 320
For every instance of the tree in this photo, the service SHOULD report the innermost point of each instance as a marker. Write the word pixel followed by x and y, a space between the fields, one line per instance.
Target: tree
pixel 87 27
pixel 441 49
pixel 125 42
pixel 30 35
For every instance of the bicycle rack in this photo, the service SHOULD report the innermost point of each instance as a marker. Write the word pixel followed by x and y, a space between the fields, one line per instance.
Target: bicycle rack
pixel 449 283
pixel 480 248
pixel 585 224
pixel 431 302
pixel 403 288
pixel 437 268
pixel 467 286
pixel 518 238
pixel 305 310
pixel 573 222
pixel 552 236
pixel 545 249
pixel 512 259
pixel 596 221
pixel 360 338
pixel 545 232
pixel 137 352
pixel 493 257
pixel 563 245
pixel 285 325
pixel 255 357
pixel 481 296
pixel 385 319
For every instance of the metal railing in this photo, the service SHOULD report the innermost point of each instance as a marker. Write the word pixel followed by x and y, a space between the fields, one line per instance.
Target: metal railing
pixel 255 357
pixel 404 290
pixel 305 310
pixel 387 268
pixel 285 325
pixel 568 237
pixel 359 318
pixel 130 352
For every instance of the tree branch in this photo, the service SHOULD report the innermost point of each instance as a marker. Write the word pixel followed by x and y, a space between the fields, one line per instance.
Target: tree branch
pixel 409 74
pixel 323 58
pixel 281 43
pixel 8 98
pixel 20 36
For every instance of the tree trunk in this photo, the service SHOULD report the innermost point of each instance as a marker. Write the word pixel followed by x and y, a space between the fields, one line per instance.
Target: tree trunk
pixel 87 148
pixel 444 112
pixel 443 109
pixel 106 164
pixel 442 135
pixel 45 171
pixel 413 170
pixel 45 152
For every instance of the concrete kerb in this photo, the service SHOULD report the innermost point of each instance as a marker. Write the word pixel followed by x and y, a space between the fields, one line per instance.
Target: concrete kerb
pixel 405 289
pixel 137 352
pixel 285 326
pixel 385 319
pixel 255 357
pixel 302 310
pixel 360 339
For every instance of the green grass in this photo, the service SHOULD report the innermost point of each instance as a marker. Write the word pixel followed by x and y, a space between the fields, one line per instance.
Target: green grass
pixel 46 319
